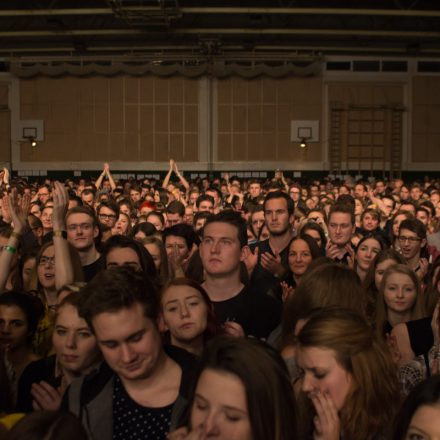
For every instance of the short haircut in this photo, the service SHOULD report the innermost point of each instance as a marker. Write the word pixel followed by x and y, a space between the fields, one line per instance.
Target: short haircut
pixel 343 208
pixel 109 204
pixel 414 225
pixel 116 289
pixel 280 195
pixel 232 218
pixel 214 189
pixel 199 215
pixel 181 230
pixel 203 198
pixel 175 207
pixel 82 210
pixel 373 212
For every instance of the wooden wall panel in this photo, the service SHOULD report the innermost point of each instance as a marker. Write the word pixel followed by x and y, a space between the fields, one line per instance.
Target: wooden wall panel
pixel 5 124
pixel 426 116
pixel 121 118
pixel 253 118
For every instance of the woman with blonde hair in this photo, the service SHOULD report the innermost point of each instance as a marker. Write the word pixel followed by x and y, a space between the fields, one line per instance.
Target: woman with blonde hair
pixel 400 299
pixel 348 375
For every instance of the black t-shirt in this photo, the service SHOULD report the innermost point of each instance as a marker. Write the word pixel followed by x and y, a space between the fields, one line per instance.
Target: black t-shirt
pixel 258 314
pixel 91 270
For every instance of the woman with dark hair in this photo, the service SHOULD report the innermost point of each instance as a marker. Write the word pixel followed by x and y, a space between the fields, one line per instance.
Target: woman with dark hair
pixel 19 316
pixel 302 251
pixel 43 382
pixel 348 376
pixel 315 231
pixel 242 392
pixel 122 225
pixel 187 316
pixel 366 250
pixel 419 416
pixel 123 251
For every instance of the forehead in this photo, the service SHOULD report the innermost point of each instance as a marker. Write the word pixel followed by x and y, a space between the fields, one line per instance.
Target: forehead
pixel 126 254
pixel 407 232
pixel 48 252
pixel 106 210
pixel 340 217
pixel 312 357
pixel 79 217
pixel 171 239
pixel 67 315
pixel 277 203
pixel 397 277
pixel 299 245
pixel 176 292
pixel 120 324
pixel 11 311
pixel 220 229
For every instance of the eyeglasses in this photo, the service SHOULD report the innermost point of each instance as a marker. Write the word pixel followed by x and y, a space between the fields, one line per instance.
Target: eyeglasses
pixel 107 216
pixel 47 260
pixel 411 240
pixel 82 226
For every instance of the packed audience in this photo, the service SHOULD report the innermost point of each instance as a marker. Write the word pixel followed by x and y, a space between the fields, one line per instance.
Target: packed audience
pixel 225 308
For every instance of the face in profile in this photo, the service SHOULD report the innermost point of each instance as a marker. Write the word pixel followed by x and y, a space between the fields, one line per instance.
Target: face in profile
pixel 184 313
pixel 220 408
pixel 324 374
pixel 73 341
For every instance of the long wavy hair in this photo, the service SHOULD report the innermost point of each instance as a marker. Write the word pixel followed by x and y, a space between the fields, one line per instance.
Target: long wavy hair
pixel 373 399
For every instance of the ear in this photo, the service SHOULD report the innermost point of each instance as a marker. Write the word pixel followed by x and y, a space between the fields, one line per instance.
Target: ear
pixel 423 243
pixel 161 324
pixel 244 252
pixel 95 231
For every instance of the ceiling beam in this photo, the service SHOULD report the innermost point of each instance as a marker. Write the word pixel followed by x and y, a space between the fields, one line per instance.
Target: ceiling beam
pixel 226 10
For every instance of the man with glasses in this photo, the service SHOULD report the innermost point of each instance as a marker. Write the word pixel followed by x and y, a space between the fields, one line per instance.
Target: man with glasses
pixel 82 230
pixel 108 213
pixel 412 240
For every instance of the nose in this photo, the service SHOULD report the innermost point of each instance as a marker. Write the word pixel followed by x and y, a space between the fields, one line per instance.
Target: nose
pixel 211 425
pixel 127 354
pixel 307 384
pixel 71 340
pixel 298 258
pixel 5 328
pixel 215 248
pixel 184 311
pixel 400 293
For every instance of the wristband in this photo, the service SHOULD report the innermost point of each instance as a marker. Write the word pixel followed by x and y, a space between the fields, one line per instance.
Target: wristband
pixel 60 233
pixel 10 249
pixel 16 235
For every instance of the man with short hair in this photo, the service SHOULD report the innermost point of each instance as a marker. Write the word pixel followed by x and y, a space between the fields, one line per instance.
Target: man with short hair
pixel 254 189
pixel 269 262
pixel 43 193
pixel 108 213
pixel 88 197
pixel 341 227
pixel 216 195
pixel 205 202
pixel 240 309
pixel 82 230
pixel 412 240
pixel 141 389
pixel 174 213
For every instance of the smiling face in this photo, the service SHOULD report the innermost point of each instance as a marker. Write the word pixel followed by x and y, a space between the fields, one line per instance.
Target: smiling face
pixel 129 341
pixel 299 257
pixel 220 408
pixel 324 374
pixel 73 341
pixel 184 313
pixel 400 293
pixel 81 232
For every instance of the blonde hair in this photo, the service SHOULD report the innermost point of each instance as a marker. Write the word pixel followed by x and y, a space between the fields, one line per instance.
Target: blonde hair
pixel 418 308
pixel 374 395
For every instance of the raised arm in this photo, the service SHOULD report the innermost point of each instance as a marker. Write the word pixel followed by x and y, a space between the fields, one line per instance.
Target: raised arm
pixel 166 181
pixel 63 263
pixel 109 176
pixel 99 180
pixel 18 213
pixel 182 179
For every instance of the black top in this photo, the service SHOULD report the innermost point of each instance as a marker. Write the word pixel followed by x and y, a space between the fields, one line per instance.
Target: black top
pixel 257 313
pixel 92 269
pixel 132 421
pixel 43 369
pixel 263 281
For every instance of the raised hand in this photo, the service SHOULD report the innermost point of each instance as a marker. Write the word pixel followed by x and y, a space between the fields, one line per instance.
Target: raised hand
pixel 60 197
pixel 272 263
pixel 287 291
pixel 251 260
pixel 232 328
pixel 106 168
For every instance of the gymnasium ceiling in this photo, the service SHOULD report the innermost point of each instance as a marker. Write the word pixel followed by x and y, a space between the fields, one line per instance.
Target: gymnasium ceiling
pixel 196 31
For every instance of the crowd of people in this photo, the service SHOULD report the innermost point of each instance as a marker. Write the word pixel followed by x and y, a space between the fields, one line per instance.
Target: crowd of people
pixel 225 308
